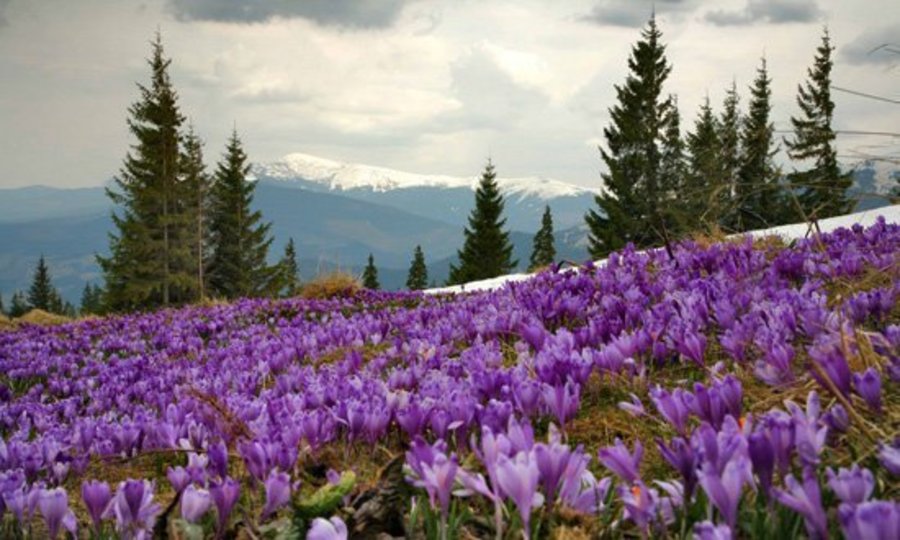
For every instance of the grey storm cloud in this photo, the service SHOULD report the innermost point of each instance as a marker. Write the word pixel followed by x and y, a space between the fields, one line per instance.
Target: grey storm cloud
pixel 346 13
pixel 768 11
pixel 632 13
pixel 875 46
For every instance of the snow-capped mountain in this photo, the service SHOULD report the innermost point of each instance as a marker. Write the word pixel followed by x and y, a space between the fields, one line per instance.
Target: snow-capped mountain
pixel 341 176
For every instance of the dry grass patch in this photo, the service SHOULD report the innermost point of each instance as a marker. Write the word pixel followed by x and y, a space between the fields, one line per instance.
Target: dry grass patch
pixel 42 318
pixel 329 285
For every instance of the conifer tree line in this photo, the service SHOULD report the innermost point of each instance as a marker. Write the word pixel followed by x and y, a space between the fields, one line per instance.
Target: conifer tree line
pixel 41 294
pixel 183 234
pixel 661 184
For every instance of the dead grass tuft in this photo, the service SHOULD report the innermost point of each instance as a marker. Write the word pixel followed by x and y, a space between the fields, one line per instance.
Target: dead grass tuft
pixel 42 318
pixel 331 285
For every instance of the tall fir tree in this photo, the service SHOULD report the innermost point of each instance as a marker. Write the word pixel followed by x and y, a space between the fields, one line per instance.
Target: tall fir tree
pixel 822 189
pixel 149 261
pixel 290 270
pixel 629 205
pixel 417 278
pixel 706 176
pixel 2 307
pixel 761 202
pixel 672 220
pixel 18 305
pixel 543 252
pixel 487 251
pixel 729 136
pixel 240 241
pixel 197 186
pixel 42 294
pixel 91 300
pixel 370 275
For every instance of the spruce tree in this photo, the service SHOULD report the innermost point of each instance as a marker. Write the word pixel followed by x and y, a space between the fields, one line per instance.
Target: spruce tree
pixel 18 305
pixel 760 195
pixel 417 278
pixel 729 138
pixel 705 183
pixel 42 295
pixel 370 275
pixel 543 251
pixel 197 186
pixel 91 300
pixel 2 307
pixel 487 251
pixel 240 242
pixel 629 205
pixel 290 270
pixel 821 189
pixel 149 261
pixel 672 176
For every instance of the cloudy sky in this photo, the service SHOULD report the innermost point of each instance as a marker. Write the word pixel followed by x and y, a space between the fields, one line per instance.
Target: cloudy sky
pixel 430 86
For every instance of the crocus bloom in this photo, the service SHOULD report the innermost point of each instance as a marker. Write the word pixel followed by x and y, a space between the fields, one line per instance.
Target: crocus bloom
pixel 194 503
pixel 621 461
pixel 853 485
pixel 562 400
pixel 707 530
pixel 809 438
pixel 762 456
pixel 693 346
pixel 682 457
pixel 96 496
pixel 889 456
pixel 873 520
pixel 640 503
pixel 54 506
pixel 179 478
pixel 224 495
pixel 327 529
pixel 724 490
pixel 518 479
pixel 552 460
pixel 278 492
pixel 438 478
pixel 671 406
pixel 868 386
pixel 134 508
pixel 806 500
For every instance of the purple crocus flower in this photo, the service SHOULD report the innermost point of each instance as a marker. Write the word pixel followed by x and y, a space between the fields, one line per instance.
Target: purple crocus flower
pixel 552 460
pixel 54 506
pixel 96 496
pixel 327 529
pixel 707 530
pixel 671 406
pixel 640 503
pixel 837 419
pixel 889 456
pixel 724 490
pixel 255 459
pixel 520 435
pixel 224 495
pixel 634 408
pixel 873 520
pixel 194 503
pixel 805 499
pixel 278 492
pixel 179 478
pixel 621 461
pixel 692 345
pixel 809 438
pixel 562 400
pixel 133 508
pixel 218 459
pixel 762 456
pixel 853 485
pixel 868 385
pixel 518 480
pixel 682 457
pixel 438 477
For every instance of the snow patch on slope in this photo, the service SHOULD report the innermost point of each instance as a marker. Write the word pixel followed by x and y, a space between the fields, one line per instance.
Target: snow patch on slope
pixel 788 232
pixel 341 176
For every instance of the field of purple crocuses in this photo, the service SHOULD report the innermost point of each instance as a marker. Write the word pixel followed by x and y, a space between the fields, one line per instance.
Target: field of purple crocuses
pixel 745 388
